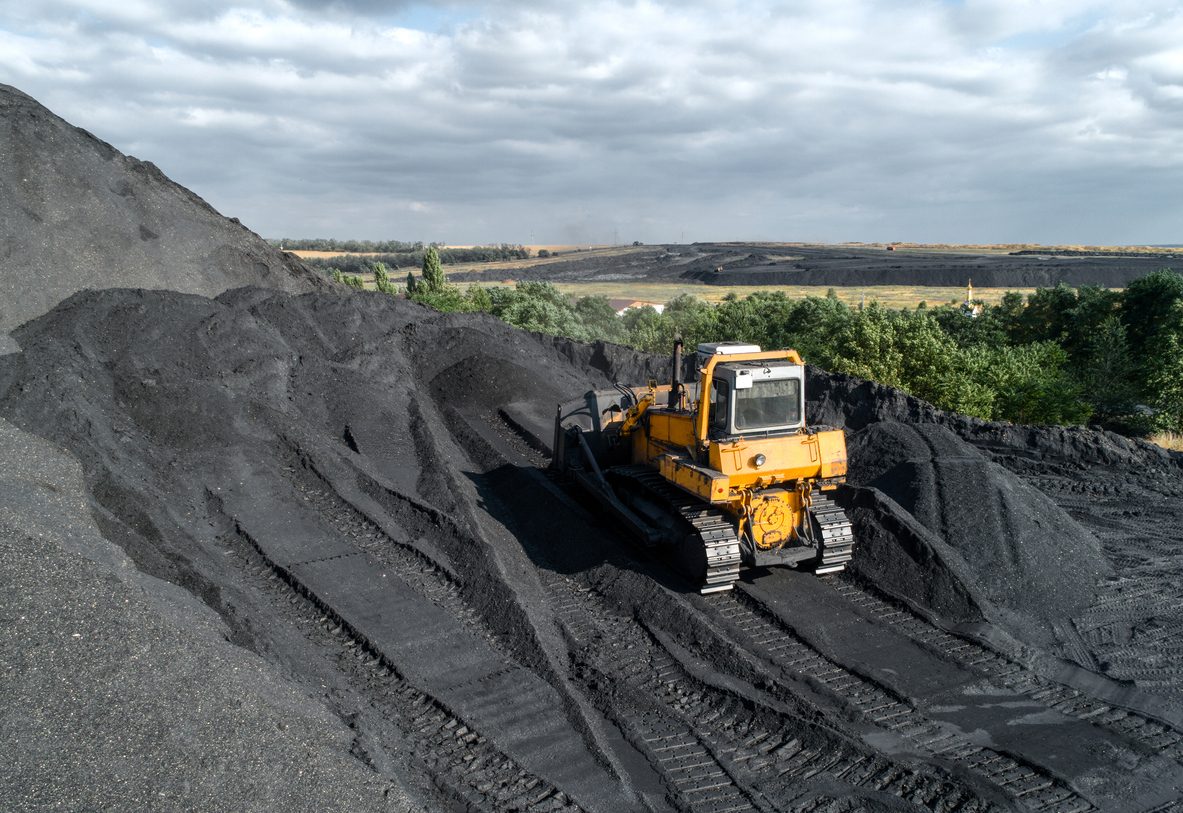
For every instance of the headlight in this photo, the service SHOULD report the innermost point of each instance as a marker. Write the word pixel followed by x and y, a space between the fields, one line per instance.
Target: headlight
pixel 759 460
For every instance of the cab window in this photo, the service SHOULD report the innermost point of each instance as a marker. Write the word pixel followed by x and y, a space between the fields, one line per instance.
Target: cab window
pixel 719 404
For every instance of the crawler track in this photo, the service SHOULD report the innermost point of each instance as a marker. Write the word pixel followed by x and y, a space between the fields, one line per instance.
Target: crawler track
pixel 460 760
pixel 1156 735
pixel 762 633
pixel 717 751
pixel 709 546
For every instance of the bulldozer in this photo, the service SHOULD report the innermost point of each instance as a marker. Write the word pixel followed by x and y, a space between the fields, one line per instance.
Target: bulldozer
pixel 718 474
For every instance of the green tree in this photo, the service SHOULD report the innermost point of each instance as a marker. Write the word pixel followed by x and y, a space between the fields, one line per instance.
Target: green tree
pixel 1164 381
pixel 1146 308
pixel 1106 371
pixel 382 280
pixel 597 320
pixel 1033 385
pixel 433 280
pixel 537 306
pixel 1047 315
pixel 479 299
pixel 867 347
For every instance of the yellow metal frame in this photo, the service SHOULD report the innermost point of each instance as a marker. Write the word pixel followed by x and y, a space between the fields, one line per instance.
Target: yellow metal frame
pixel 706 376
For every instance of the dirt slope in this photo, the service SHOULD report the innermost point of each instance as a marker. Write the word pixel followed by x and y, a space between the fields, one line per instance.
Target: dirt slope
pixel 77 213
pixel 352 483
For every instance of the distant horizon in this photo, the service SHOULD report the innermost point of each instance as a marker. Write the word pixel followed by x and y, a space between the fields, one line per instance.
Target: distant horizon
pixel 914 243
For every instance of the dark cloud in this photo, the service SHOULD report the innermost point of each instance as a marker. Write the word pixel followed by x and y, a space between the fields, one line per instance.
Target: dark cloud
pixel 471 121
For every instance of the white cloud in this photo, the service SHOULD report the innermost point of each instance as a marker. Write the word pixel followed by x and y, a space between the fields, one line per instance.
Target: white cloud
pixel 847 119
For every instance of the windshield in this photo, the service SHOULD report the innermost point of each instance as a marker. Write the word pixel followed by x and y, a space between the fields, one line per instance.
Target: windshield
pixel 768 404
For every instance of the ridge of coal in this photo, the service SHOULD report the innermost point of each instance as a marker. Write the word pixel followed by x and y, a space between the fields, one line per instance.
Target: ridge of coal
pixel 78 214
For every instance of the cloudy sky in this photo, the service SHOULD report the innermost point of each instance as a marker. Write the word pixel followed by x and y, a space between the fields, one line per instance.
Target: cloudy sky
pixel 1054 121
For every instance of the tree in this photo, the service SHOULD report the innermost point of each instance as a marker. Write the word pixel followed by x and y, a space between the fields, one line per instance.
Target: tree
pixel 1033 385
pixel 1107 371
pixel 434 281
pixel 537 306
pixel 1009 314
pixel 1150 310
pixel 597 320
pixel 1147 304
pixel 1046 317
pixel 1165 381
pixel 382 280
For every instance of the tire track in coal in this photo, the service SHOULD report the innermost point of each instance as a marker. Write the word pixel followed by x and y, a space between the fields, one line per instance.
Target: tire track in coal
pixel 721 751
pixel 1134 628
pixel 459 760
pixel 1153 734
pixel 433 582
pixel 703 725
pixel 1027 784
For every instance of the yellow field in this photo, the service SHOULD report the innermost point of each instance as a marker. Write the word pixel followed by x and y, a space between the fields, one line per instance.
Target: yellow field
pixel 893 296
pixel 320 255
pixel 1168 440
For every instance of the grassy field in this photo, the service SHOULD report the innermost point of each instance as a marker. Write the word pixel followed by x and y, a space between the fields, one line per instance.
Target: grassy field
pixel 1168 440
pixel 893 296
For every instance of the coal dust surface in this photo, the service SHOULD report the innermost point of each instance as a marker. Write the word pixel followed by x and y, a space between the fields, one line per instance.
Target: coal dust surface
pixel 357 487
pixel 79 214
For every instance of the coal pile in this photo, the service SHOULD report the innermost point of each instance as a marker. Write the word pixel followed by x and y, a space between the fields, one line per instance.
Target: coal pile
pixel 79 214
pixel 821 265
pixel 354 484
pixel 1000 546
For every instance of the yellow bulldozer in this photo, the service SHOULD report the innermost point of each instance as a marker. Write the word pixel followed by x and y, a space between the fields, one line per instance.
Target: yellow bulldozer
pixel 720 473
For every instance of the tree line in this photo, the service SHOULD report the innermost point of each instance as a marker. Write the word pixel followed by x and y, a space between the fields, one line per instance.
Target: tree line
pixel 1058 356
pixel 413 259
pixel 365 246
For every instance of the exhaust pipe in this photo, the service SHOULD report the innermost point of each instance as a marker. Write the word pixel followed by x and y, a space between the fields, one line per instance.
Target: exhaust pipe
pixel 676 376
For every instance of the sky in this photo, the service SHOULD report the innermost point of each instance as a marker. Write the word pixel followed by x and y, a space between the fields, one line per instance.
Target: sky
pixel 960 121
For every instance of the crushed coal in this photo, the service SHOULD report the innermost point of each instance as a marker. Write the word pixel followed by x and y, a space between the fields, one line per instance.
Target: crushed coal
pixel 356 485
pixel 1020 559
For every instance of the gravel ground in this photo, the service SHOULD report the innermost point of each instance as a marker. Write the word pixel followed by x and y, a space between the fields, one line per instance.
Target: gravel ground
pixel 123 691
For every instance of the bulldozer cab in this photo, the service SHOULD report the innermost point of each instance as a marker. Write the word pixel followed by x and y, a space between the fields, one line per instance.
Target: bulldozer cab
pixel 750 397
